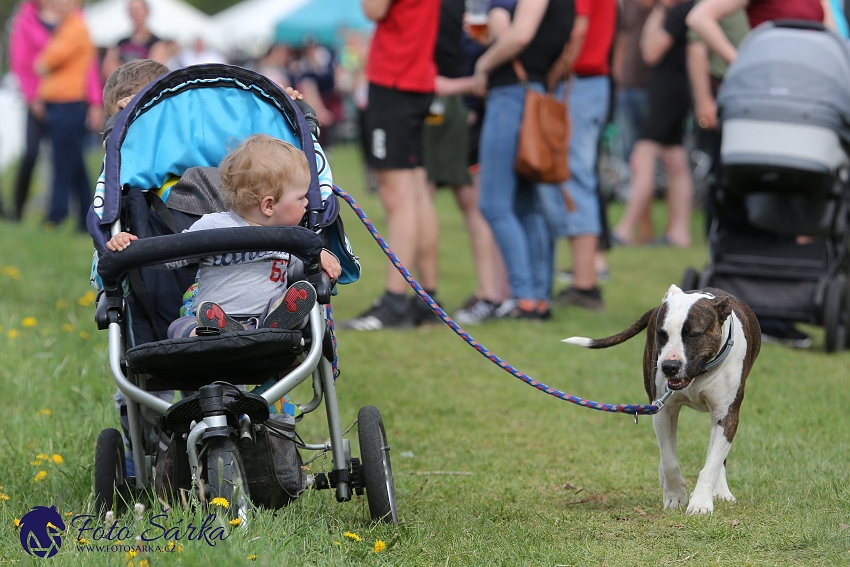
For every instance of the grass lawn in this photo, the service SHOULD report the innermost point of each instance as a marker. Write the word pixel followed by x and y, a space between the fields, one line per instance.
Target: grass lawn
pixel 543 482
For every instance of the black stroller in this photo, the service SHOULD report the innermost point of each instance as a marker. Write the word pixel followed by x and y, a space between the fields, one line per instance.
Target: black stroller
pixel 779 239
pixel 219 440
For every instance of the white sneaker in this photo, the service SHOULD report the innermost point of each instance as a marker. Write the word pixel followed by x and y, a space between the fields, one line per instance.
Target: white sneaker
pixel 505 308
pixel 479 312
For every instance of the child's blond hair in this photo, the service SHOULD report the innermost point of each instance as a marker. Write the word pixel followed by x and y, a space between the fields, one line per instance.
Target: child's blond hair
pixel 128 80
pixel 260 166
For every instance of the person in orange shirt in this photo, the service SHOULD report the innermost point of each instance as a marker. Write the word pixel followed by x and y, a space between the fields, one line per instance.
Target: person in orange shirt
pixel 64 65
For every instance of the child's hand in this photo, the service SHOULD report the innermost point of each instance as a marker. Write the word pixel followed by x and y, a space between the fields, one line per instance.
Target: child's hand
pixel 330 265
pixel 123 239
pixel 293 94
pixel 122 104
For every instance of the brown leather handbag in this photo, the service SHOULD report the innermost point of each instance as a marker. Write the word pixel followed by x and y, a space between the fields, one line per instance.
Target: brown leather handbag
pixel 543 136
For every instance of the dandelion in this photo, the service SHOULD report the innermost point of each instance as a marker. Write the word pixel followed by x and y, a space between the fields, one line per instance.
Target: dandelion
pixel 42 457
pixel 82 540
pixel 352 536
pixel 179 548
pixel 57 459
pixel 144 563
pixel 11 271
pixel 252 557
pixel 39 476
pixel 67 327
pixel 29 321
pixel 235 522
pixel 61 304
pixel 379 546
pixel 12 334
pixel 84 335
pixel 36 462
pixel 109 517
pixel 139 508
pixel 87 299
pixel 170 545
pixel 3 497
pixel 17 523
pixel 131 554
pixel 68 514
pixel 45 411
pixel 337 543
pixel 219 501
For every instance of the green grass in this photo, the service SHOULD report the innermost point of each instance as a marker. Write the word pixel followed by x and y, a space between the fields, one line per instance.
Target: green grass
pixel 551 483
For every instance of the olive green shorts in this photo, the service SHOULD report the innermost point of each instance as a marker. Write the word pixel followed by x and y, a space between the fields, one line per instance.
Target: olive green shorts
pixel 445 144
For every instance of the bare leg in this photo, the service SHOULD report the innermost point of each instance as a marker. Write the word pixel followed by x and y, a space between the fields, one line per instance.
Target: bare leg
pixel 489 267
pixel 584 265
pixel 428 232
pixel 643 182
pixel 680 193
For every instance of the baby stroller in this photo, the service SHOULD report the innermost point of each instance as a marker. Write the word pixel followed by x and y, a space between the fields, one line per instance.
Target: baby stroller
pixel 219 440
pixel 779 239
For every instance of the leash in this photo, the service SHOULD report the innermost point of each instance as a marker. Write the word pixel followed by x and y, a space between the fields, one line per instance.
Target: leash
pixel 634 409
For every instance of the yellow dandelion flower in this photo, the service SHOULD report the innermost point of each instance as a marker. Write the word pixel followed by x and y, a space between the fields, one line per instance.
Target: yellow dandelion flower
pixel 219 501
pixel 29 321
pixel 235 521
pixel 179 548
pixel 17 523
pixel 12 334
pixel 57 459
pixel 39 476
pixel 12 272
pixel 351 535
pixel 131 554
pixel 84 335
pixel 3 497
pixel 61 304
pixel 337 543
pixel 82 540
pixel 36 462
pixel 252 557
pixel 144 563
pixel 87 299
pixel 68 514
pixel 379 546
pixel 170 545
pixel 67 327
pixel 43 457
pixel 45 411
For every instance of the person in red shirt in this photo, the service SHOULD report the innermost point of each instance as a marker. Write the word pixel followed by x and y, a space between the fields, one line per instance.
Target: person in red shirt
pixel 705 17
pixel 401 72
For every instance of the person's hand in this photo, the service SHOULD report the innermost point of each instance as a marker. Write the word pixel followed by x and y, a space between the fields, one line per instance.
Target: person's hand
pixel 122 104
pixel 95 118
pixel 705 113
pixel 479 82
pixel 293 93
pixel 38 110
pixel 330 264
pixel 121 241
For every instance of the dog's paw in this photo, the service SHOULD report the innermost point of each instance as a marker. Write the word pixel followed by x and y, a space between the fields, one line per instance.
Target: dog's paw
pixel 700 505
pixel 725 496
pixel 675 499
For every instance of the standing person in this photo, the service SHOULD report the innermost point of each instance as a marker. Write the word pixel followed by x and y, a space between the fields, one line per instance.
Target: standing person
pixel 663 46
pixel 138 45
pixel 64 65
pixel 589 101
pixel 401 72
pixel 534 32
pixel 30 33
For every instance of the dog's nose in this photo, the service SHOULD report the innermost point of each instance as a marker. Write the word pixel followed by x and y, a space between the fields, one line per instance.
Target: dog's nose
pixel 671 367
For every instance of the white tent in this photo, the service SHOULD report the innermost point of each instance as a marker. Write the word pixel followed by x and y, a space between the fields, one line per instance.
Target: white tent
pixel 109 20
pixel 250 25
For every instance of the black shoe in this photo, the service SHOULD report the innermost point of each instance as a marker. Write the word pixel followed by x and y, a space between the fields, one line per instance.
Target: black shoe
pixel 422 313
pixel 783 333
pixel 587 299
pixel 385 313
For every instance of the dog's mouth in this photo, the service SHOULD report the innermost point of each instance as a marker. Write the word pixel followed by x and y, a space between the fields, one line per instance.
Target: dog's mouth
pixel 679 383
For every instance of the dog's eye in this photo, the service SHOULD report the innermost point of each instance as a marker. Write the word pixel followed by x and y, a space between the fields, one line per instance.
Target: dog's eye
pixel 693 333
pixel 662 335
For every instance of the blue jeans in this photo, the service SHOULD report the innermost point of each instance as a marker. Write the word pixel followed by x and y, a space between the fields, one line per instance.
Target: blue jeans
pixel 630 114
pixel 67 126
pixel 509 203
pixel 588 114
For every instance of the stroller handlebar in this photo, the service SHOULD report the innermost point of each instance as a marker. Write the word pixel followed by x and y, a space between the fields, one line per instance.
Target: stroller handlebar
pixel 155 250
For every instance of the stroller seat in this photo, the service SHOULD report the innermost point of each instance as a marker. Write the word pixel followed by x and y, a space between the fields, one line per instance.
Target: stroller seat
pixel 243 357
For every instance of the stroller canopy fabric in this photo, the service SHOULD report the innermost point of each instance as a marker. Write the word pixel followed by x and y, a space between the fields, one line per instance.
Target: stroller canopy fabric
pixel 785 72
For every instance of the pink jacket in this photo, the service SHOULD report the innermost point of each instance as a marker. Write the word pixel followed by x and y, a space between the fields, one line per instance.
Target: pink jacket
pixel 27 40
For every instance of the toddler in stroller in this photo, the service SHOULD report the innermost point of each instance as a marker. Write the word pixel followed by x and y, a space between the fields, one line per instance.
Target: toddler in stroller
pixel 779 241
pixel 220 440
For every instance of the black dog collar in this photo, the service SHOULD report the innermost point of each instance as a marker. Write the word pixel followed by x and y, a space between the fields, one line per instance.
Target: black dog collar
pixel 724 352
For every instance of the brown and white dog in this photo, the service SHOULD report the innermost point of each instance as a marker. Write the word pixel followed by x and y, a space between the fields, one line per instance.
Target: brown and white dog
pixel 700 345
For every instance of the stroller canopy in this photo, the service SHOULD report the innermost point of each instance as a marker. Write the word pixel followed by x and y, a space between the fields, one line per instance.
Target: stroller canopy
pixel 790 71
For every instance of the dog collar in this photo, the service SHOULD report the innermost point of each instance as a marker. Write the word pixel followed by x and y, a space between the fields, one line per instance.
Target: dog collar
pixel 724 352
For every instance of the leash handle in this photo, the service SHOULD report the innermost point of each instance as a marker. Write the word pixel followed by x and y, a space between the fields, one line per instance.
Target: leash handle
pixel 635 409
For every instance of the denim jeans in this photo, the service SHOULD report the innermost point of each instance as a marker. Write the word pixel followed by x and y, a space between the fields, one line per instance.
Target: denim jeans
pixel 588 114
pixel 67 125
pixel 509 203
pixel 630 115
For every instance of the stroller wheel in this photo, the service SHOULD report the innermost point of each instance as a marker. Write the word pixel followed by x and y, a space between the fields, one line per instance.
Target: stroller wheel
pixel 376 471
pixel 690 280
pixel 835 315
pixel 225 477
pixel 110 485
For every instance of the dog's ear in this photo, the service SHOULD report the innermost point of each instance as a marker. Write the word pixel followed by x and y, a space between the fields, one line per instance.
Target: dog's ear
pixel 723 309
pixel 672 290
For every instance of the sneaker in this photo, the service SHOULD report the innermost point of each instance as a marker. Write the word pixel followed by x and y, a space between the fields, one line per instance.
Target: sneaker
pixel 505 308
pixel 382 315
pixel 566 276
pixel 212 316
pixel 590 299
pixel 290 310
pixel 469 302
pixel 533 310
pixel 785 334
pixel 422 313
pixel 476 313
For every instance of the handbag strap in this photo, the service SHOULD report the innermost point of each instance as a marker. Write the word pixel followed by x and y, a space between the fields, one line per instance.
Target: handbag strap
pixel 523 76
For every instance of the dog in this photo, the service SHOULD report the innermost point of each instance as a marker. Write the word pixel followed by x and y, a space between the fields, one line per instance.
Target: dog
pixel 700 345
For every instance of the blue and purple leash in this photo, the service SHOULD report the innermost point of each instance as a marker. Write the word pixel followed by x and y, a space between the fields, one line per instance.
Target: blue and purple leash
pixel 632 409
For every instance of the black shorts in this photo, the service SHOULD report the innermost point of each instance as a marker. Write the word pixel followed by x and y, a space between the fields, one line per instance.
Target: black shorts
pixel 669 106
pixel 394 123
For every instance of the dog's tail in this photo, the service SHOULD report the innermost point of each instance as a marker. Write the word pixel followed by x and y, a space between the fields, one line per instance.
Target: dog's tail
pixel 620 337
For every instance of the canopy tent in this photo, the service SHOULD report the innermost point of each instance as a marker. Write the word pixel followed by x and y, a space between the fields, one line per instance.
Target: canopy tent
pixel 322 21
pixel 250 25
pixel 108 21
